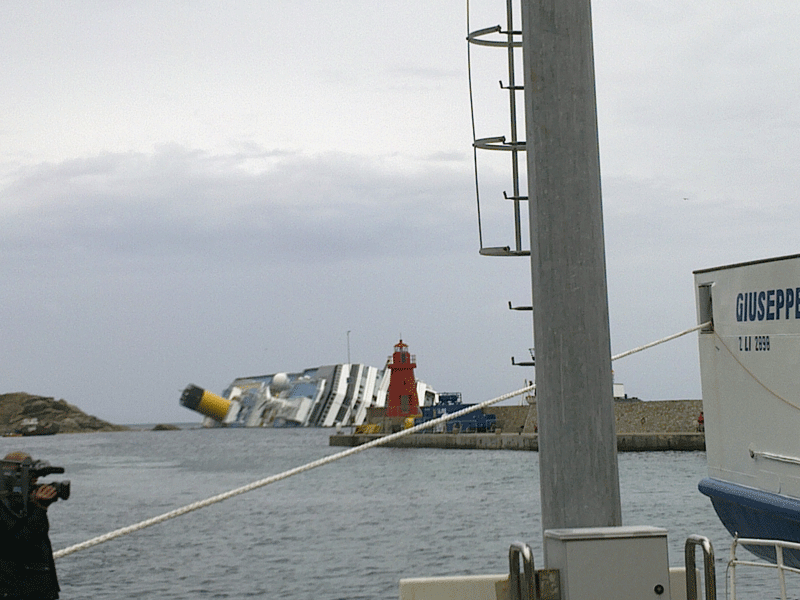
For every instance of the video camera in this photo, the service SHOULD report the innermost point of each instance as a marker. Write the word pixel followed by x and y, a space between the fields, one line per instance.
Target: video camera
pixel 17 481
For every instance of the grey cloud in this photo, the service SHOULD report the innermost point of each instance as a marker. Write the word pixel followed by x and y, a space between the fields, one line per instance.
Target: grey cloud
pixel 179 201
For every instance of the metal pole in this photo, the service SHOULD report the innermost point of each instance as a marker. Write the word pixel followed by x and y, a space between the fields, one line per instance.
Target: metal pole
pixel 512 96
pixel 577 438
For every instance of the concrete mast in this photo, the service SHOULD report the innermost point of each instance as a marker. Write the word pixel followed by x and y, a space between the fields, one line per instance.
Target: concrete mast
pixel 574 388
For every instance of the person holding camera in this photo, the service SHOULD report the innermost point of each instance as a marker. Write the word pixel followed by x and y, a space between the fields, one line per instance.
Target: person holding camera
pixel 27 568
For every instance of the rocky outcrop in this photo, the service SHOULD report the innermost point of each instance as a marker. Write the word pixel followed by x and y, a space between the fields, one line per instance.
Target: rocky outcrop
pixel 19 410
pixel 166 427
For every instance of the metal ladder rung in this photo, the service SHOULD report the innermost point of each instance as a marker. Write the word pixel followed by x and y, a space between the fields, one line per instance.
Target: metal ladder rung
pixel 477 37
pixel 518 307
pixel 502 251
pixel 524 363
pixel 507 197
pixel 499 143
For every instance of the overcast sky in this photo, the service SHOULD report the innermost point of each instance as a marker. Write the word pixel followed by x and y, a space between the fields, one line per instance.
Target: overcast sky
pixel 192 192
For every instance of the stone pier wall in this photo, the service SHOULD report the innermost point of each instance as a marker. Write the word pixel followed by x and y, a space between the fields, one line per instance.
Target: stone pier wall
pixel 632 416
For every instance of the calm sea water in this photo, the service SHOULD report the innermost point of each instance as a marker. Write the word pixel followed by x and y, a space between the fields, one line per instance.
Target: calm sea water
pixel 351 529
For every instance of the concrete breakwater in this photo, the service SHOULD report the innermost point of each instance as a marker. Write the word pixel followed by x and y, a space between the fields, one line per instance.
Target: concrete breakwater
pixel 632 417
pixel 641 426
pixel 635 442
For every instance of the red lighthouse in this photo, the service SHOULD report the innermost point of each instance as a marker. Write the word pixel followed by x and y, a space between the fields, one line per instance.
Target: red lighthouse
pixel 402 398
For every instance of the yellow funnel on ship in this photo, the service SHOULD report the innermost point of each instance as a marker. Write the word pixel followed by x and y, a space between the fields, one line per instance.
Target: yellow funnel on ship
pixel 205 402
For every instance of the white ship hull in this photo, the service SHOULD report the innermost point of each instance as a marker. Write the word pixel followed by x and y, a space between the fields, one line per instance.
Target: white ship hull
pixel 750 363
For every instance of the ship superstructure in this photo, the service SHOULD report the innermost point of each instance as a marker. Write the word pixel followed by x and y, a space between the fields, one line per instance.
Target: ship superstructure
pixel 323 396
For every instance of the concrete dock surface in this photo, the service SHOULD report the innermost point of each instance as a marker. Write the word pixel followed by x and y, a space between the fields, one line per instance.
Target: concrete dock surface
pixel 642 426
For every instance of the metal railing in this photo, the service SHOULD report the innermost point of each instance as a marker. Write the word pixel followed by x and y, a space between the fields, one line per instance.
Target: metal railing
pixel 709 571
pixel 778 545
pixel 520 588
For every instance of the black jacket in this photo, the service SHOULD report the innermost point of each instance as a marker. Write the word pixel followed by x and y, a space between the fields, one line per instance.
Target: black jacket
pixel 27 568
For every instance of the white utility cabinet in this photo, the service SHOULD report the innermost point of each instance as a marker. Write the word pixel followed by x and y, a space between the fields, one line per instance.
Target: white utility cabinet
pixel 600 563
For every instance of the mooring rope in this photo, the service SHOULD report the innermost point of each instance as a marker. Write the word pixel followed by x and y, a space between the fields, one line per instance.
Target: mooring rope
pixel 280 476
pixel 662 340
pixel 325 460
pixel 752 375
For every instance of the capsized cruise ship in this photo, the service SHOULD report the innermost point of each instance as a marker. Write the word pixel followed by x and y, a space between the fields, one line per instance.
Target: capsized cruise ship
pixel 316 397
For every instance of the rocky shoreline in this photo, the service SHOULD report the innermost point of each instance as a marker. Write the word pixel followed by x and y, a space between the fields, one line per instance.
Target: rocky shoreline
pixel 20 411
